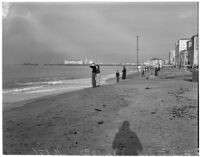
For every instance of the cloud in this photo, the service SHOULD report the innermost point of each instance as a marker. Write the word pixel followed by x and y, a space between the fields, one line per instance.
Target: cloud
pixel 103 32
pixel 5 9
pixel 185 14
pixel 78 32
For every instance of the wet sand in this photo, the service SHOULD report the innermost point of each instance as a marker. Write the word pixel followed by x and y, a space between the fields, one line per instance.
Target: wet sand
pixel 137 116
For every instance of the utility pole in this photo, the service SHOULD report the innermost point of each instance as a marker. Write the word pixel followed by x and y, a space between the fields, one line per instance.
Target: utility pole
pixel 137 54
pixel 198 30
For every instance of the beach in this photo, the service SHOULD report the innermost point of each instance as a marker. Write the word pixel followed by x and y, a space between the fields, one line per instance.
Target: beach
pixel 161 117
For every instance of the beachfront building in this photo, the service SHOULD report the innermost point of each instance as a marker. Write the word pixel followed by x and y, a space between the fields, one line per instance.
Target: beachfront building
pixel 180 45
pixel 147 63
pixel 155 62
pixel 184 55
pixel 86 61
pixel 193 49
pixel 90 62
pixel 166 61
pixel 172 57
pixel 73 62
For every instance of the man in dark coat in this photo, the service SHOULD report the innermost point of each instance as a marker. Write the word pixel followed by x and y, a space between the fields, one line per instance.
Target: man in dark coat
pixel 93 66
pixel 124 73
pixel 156 71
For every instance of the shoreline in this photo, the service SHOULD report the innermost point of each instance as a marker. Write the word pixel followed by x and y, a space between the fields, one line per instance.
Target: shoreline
pixel 86 122
pixel 18 100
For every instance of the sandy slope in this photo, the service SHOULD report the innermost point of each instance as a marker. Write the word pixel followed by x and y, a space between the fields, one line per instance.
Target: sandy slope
pixel 135 117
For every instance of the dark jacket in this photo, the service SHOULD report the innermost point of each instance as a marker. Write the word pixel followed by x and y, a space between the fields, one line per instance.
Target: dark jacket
pixel 94 69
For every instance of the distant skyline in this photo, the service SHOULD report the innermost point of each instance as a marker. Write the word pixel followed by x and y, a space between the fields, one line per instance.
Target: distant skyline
pixel 102 32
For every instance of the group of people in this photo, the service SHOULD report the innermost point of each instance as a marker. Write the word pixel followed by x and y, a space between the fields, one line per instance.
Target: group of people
pixel 95 75
pixel 123 74
pixel 157 68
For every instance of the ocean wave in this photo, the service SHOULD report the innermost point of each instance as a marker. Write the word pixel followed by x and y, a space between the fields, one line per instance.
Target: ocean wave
pixel 42 86
pixel 40 83
pixel 16 90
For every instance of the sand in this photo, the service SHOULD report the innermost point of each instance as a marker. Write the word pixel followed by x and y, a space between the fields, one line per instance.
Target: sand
pixel 137 116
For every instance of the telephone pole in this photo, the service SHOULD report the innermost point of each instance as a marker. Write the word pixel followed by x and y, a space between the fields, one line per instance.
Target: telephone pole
pixel 137 54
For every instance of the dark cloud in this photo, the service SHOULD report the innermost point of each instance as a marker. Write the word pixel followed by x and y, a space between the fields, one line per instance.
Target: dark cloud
pixel 106 32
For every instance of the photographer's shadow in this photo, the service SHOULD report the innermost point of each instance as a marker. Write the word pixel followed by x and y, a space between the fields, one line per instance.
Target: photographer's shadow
pixel 126 141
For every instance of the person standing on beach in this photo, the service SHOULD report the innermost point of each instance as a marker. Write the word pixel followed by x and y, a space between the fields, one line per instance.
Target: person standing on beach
pixel 159 67
pixel 93 75
pixel 117 76
pixel 156 72
pixel 143 73
pixel 98 75
pixel 124 73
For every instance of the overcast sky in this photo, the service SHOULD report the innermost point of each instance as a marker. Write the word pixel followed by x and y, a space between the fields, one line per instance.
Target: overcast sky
pixel 103 32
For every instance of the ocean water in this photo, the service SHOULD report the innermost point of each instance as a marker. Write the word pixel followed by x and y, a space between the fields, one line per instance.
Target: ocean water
pixel 19 77
pixel 23 82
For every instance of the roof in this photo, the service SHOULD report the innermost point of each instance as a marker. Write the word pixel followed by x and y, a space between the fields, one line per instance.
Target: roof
pixel 183 51
pixel 184 39
pixel 194 36
pixel 154 58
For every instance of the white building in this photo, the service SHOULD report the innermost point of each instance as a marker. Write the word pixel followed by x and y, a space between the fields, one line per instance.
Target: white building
pixel 172 57
pixel 166 61
pixel 147 63
pixel 86 61
pixel 184 58
pixel 154 62
pixel 90 61
pixel 180 45
pixel 195 49
pixel 73 62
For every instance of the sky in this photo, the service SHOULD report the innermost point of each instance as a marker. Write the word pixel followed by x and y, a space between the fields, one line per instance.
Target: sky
pixel 100 31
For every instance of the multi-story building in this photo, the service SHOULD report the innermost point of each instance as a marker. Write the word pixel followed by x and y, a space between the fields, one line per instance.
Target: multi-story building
pixel 172 57
pixel 194 50
pixel 155 62
pixel 90 62
pixel 184 55
pixel 180 45
pixel 166 61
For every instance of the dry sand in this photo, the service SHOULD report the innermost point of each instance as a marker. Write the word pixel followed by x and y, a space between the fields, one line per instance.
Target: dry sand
pixel 158 116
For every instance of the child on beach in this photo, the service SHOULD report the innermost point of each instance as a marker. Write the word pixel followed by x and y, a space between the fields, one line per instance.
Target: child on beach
pixel 117 76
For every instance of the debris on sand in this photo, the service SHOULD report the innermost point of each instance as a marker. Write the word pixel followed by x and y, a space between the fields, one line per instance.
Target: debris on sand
pixel 100 122
pixel 75 133
pixel 104 105
pixel 147 88
pixel 186 112
pixel 96 109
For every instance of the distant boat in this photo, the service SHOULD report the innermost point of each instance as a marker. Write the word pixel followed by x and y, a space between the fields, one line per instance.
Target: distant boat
pixel 30 64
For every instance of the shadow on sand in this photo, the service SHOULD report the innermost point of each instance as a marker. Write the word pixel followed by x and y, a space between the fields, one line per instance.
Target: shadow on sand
pixel 126 141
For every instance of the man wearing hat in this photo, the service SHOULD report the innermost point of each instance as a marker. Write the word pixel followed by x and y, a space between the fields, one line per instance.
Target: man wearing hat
pixel 93 66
